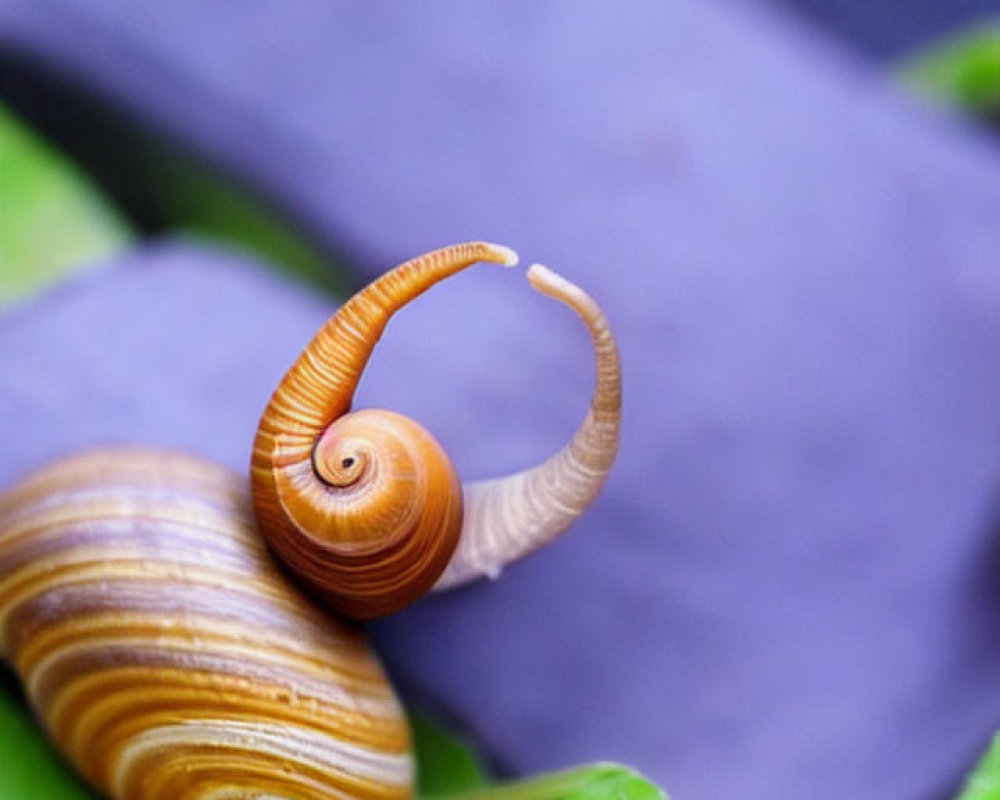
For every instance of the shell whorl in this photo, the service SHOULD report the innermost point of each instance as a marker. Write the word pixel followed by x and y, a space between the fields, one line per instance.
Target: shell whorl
pixel 323 479
pixel 365 508
pixel 166 653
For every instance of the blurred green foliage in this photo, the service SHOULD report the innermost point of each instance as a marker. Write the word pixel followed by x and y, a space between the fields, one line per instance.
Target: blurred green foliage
pixel 983 782
pixel 444 764
pixel 31 769
pixel 595 782
pixel 194 199
pixel 52 220
pixel 165 188
pixel 963 71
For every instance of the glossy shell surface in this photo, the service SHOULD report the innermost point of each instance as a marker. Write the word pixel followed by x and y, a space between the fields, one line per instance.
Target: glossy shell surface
pixel 169 657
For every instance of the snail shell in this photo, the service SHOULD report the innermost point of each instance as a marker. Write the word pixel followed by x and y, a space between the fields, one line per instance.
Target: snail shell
pixel 365 508
pixel 166 654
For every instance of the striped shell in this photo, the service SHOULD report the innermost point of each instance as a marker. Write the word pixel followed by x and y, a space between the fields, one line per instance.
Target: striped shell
pixel 166 654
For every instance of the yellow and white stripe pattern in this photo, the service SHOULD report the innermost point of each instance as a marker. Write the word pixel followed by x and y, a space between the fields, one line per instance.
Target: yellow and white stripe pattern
pixel 169 657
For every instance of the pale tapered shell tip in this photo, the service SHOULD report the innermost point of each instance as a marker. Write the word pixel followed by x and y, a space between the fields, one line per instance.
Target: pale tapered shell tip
pixel 555 285
pixel 508 257
pixel 541 276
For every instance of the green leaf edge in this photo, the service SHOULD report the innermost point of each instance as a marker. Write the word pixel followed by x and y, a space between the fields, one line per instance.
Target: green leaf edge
pixel 601 781
pixel 962 71
pixel 983 782
pixel 445 763
pixel 31 768
pixel 53 221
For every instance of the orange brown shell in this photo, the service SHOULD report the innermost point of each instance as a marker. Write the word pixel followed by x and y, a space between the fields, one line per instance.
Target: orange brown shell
pixel 365 508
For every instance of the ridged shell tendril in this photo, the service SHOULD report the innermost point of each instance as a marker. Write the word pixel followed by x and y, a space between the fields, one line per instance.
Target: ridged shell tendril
pixel 364 507
pixel 169 657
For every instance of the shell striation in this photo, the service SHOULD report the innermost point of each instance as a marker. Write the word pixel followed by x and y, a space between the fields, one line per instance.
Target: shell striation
pixel 168 656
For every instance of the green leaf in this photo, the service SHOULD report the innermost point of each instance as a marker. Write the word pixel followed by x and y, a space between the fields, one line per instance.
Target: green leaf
pixel 52 221
pixel 595 782
pixel 444 763
pixel 197 199
pixel 31 768
pixel 962 71
pixel 166 189
pixel 983 783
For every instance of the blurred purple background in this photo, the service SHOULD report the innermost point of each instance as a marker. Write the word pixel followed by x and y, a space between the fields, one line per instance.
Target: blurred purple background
pixel 789 587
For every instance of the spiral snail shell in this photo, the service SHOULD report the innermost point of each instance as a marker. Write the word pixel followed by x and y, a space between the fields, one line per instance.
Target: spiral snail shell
pixel 365 508
pixel 164 650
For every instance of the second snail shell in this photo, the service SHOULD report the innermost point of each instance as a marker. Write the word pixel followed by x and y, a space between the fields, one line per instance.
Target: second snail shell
pixel 167 655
